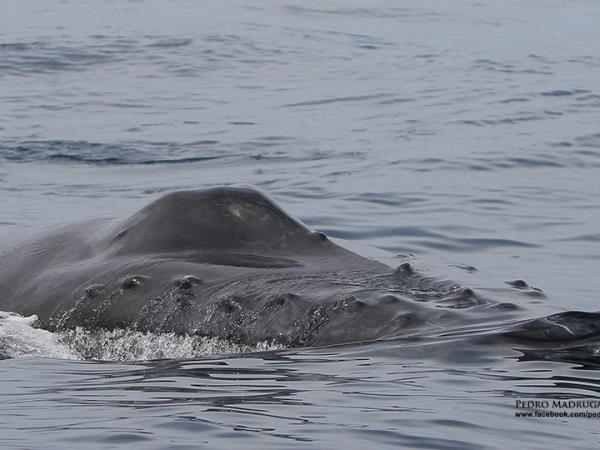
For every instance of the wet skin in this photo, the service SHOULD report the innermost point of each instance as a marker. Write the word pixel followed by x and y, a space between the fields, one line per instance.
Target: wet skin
pixel 229 262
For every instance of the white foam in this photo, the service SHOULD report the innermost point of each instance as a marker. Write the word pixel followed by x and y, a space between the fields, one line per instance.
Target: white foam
pixel 19 337
pixel 131 345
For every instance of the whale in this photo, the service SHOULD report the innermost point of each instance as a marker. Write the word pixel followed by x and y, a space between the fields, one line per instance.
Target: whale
pixel 228 262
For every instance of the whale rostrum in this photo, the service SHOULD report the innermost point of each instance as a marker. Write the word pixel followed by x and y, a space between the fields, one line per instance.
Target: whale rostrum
pixel 228 262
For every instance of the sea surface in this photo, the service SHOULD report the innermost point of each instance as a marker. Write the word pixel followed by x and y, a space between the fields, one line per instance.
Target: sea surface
pixel 461 136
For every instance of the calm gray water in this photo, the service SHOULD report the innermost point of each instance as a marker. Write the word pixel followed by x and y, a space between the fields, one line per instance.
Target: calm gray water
pixel 451 134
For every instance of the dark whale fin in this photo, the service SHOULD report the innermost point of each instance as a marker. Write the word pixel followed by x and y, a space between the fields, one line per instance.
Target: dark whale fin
pixel 239 220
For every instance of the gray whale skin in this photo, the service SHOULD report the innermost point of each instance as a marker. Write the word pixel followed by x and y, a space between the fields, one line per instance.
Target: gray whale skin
pixel 229 263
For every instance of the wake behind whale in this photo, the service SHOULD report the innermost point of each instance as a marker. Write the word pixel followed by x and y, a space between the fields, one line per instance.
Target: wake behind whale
pixel 230 264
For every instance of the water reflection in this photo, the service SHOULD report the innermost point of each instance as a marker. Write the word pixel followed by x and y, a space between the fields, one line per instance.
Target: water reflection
pixel 389 393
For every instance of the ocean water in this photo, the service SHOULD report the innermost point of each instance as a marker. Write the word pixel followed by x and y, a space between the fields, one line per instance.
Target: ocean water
pixel 461 136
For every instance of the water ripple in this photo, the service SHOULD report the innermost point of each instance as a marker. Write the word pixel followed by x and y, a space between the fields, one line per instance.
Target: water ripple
pixel 111 154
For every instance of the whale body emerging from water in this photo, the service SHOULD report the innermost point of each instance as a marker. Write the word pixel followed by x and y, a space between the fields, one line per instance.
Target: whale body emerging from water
pixel 230 263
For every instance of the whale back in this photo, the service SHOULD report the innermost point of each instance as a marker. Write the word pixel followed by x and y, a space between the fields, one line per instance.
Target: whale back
pixel 231 219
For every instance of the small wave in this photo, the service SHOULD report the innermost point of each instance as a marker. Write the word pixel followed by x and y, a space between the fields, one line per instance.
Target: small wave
pixel 595 237
pixel 473 244
pixel 505 120
pixel 564 92
pixel 349 99
pixel 530 160
pixel 513 66
pixel 26 58
pixel 172 42
pixel 58 55
pixel 515 100
pixel 142 153
pixel 592 140
pixel 407 14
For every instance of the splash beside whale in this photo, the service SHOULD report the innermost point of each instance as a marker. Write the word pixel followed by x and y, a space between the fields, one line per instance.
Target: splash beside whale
pixel 230 263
